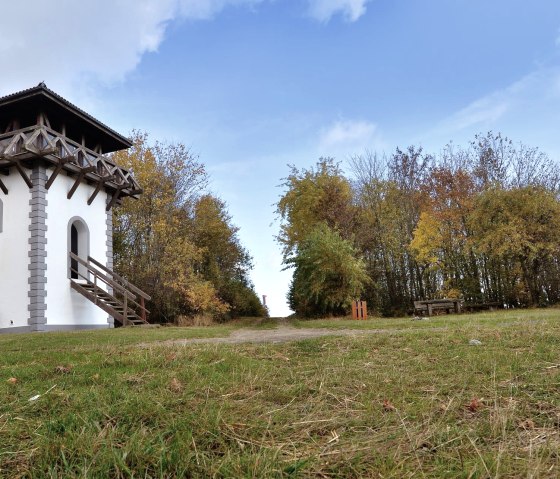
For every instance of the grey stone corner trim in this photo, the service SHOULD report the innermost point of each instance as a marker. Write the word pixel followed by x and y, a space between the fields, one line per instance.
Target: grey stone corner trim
pixel 109 253
pixel 37 250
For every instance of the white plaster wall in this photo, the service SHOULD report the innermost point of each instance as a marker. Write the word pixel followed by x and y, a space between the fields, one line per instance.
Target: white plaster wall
pixel 14 249
pixel 64 305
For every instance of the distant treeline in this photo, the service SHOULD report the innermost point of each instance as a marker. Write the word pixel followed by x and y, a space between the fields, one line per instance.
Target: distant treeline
pixel 481 222
pixel 177 242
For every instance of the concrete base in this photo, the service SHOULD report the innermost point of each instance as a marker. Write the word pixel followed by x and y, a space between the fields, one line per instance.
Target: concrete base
pixel 55 327
pixel 74 327
pixel 19 329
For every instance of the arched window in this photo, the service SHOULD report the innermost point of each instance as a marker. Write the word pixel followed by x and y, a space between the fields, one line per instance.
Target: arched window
pixel 78 244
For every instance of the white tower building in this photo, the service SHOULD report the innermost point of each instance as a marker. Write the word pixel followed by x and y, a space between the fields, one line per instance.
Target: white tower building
pixel 57 190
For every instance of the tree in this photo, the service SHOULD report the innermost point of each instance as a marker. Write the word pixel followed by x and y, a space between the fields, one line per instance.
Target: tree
pixel 317 195
pixel 223 261
pixel 176 242
pixel 389 199
pixel 467 222
pixel 328 274
pixel 520 227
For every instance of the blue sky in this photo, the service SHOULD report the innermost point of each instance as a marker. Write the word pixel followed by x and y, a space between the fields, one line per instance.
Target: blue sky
pixel 252 85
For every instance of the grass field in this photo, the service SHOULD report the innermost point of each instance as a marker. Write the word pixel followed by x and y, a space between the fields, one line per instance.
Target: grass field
pixel 414 400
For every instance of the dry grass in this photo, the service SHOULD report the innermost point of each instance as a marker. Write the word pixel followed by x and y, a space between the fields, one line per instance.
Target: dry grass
pixel 199 320
pixel 405 404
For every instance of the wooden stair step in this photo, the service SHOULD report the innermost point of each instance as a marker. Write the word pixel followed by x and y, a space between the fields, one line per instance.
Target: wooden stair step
pixel 105 300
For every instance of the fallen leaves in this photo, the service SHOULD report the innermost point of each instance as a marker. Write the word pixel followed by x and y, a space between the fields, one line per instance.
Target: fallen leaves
pixel 175 385
pixel 334 437
pixel 387 406
pixel 475 405
pixel 527 424
pixel 63 369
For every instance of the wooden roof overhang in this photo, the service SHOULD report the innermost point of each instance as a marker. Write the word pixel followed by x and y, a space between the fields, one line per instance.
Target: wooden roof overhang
pixel 39 124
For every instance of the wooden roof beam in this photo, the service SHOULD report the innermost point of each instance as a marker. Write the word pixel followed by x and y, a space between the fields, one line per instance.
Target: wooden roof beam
pixel 24 175
pixel 100 184
pixel 56 172
pixel 79 179
pixel 115 197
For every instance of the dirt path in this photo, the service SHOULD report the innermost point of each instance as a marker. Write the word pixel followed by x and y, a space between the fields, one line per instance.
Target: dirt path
pixel 283 333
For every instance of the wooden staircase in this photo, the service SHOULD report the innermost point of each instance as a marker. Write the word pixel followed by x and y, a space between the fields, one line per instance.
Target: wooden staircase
pixel 109 291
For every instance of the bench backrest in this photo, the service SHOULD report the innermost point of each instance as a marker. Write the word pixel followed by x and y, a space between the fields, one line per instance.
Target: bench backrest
pixel 443 305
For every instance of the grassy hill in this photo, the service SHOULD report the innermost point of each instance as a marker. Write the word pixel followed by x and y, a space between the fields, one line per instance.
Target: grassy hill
pixel 411 400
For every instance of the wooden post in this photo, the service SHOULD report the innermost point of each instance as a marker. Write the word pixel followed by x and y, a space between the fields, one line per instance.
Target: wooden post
pixel 125 317
pixel 95 288
pixel 359 310
pixel 143 312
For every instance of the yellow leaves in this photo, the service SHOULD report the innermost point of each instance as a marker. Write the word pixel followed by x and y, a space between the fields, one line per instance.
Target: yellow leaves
pixel 202 297
pixel 427 240
pixel 318 195
pixel 519 223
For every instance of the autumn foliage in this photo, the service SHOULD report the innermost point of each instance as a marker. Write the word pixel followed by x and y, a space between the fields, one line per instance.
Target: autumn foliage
pixel 480 222
pixel 177 242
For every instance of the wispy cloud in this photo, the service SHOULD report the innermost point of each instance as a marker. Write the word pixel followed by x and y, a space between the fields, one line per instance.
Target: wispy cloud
pixel 527 110
pixel 536 88
pixel 77 45
pixel 205 9
pixel 348 137
pixel 88 42
pixel 324 10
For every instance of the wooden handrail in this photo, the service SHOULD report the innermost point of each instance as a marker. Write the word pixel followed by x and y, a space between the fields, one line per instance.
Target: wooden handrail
pixel 121 279
pixel 105 278
pixel 99 275
pixel 125 299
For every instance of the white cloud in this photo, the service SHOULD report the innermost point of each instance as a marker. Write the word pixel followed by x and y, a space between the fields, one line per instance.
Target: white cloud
pixel 72 45
pixel 348 137
pixel 527 110
pixel 205 9
pixel 324 10
pixel 483 112
pixel 76 45
pixel 490 110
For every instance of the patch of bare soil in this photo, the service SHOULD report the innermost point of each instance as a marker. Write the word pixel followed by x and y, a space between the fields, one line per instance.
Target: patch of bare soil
pixel 283 333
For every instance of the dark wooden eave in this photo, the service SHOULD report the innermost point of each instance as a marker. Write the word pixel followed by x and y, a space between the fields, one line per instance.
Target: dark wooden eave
pixel 38 124
pixel 20 147
pixel 62 115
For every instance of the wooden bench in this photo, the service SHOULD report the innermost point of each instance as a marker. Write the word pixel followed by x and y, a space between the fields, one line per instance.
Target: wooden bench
pixel 420 308
pixel 429 306
pixel 491 306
